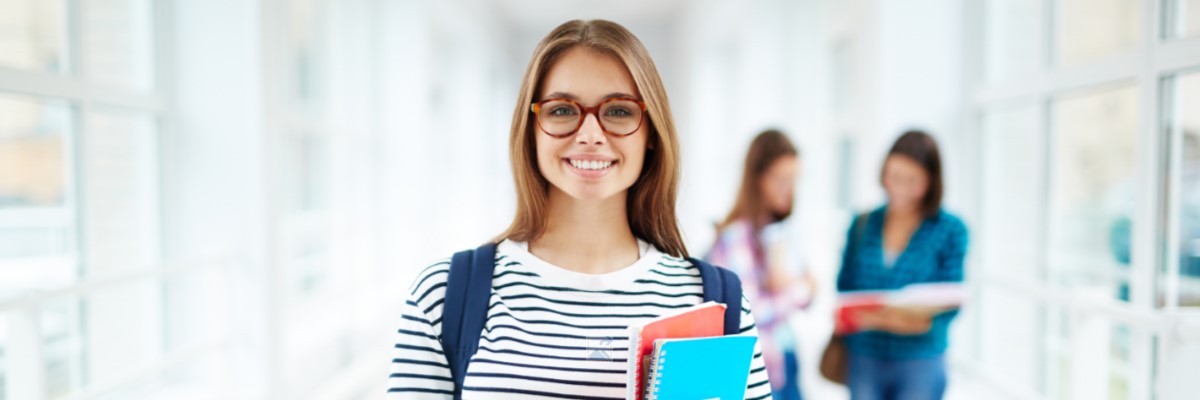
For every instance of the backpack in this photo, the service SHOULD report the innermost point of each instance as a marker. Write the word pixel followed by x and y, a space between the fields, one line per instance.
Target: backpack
pixel 469 288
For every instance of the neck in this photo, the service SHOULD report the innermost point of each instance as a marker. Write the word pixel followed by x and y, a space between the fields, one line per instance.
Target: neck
pixel 766 218
pixel 903 212
pixel 586 236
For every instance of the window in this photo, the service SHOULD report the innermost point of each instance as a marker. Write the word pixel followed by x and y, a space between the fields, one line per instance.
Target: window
pixel 1009 316
pixel 33 35
pixel 1087 275
pixel 116 41
pixel 1013 165
pixel 1184 139
pixel 1091 190
pixel 1011 40
pixel 79 195
pixel 1185 18
pixel 120 191
pixel 1087 30
pixel 34 171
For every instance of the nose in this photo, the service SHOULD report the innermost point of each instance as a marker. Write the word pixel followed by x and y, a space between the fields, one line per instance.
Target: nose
pixel 590 132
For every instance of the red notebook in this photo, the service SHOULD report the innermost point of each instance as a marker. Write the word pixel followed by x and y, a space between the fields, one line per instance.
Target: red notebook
pixel 701 320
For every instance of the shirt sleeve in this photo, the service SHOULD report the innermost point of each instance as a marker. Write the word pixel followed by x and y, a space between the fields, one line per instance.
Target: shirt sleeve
pixel 757 385
pixel 952 254
pixel 950 263
pixel 734 253
pixel 419 369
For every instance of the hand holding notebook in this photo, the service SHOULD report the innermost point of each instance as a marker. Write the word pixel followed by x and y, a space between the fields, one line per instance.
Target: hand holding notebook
pixel 924 300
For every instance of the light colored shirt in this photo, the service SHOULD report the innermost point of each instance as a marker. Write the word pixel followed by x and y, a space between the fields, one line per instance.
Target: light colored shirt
pixel 550 332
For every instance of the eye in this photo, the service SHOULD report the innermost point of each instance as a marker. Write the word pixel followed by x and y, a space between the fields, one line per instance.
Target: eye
pixel 618 111
pixel 560 111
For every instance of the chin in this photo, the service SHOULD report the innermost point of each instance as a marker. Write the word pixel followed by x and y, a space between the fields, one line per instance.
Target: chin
pixel 591 193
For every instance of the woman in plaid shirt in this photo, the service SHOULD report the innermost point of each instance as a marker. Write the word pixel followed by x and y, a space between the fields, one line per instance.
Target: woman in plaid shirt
pixel 752 244
pixel 908 240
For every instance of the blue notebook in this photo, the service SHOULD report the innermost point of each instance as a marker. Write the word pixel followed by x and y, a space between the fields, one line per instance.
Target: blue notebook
pixel 701 368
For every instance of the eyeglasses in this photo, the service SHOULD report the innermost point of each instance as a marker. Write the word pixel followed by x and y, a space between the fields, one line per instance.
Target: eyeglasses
pixel 564 117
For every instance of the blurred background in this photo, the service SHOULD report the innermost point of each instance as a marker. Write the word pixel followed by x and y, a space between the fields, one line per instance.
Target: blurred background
pixel 228 198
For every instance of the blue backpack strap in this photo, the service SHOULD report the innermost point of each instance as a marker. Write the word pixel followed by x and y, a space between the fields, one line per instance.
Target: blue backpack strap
pixel 722 286
pixel 468 291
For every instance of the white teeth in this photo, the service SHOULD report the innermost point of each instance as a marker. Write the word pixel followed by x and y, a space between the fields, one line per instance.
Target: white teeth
pixel 591 165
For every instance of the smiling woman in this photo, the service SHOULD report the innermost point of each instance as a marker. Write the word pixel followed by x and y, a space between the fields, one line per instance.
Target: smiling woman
pixel 593 248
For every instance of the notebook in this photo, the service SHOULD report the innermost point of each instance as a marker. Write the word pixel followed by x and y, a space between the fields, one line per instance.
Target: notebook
pixel 701 320
pixel 921 298
pixel 701 368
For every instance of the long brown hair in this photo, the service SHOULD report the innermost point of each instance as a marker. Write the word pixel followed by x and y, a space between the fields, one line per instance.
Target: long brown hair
pixel 650 202
pixel 768 147
pixel 920 147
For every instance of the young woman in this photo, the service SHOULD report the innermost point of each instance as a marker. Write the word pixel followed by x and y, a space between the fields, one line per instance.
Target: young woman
pixel 750 242
pixel 908 240
pixel 594 246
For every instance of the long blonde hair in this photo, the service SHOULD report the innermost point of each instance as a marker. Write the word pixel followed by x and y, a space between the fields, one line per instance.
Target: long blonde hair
pixel 650 202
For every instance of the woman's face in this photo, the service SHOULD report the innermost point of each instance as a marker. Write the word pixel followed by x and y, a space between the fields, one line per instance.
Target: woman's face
pixel 590 164
pixel 905 182
pixel 778 184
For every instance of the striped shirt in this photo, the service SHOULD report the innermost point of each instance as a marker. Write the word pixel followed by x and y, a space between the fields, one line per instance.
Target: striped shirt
pixel 550 332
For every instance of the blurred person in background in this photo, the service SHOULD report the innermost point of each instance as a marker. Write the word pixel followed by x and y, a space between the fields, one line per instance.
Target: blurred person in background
pixel 751 241
pixel 910 239
pixel 594 246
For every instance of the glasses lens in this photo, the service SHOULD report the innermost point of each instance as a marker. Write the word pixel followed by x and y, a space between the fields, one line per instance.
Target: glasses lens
pixel 621 117
pixel 559 117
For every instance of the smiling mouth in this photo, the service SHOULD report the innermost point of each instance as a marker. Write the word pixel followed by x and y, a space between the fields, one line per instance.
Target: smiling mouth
pixel 591 165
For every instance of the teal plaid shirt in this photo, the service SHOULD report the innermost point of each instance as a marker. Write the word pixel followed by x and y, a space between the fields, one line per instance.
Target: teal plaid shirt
pixel 935 253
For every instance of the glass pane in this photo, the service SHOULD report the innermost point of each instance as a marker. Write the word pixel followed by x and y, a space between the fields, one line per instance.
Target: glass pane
pixel 1011 38
pixel 1186 122
pixel 34 160
pixel 123 330
pixel 1180 361
pixel 1186 17
pixel 197 304
pixel 63 353
pixel 304 25
pixel 1011 343
pixel 121 192
pixel 4 342
pixel 305 234
pixel 1091 29
pixel 306 262
pixel 33 153
pixel 305 169
pixel 117 44
pixel 32 35
pixel 22 241
pixel 1088 357
pixel 1091 192
pixel 1013 181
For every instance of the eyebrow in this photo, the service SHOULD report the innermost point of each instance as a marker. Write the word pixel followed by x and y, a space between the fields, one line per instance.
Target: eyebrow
pixel 563 95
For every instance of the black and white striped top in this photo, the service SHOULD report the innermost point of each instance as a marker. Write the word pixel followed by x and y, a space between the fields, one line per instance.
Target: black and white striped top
pixel 550 332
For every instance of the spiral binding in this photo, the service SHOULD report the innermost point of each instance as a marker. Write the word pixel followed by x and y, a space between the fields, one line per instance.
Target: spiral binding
pixel 656 366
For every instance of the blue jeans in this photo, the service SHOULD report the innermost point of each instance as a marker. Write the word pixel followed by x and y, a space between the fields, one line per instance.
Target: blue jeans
pixel 791 389
pixel 872 378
